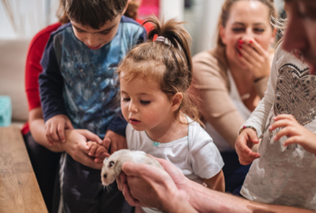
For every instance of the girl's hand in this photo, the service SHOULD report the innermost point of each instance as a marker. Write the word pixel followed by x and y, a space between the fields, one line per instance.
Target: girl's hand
pixel 245 141
pixel 255 58
pixel 97 151
pixel 114 142
pixel 295 132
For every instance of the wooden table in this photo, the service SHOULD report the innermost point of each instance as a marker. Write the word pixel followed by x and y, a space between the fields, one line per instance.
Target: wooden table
pixel 19 190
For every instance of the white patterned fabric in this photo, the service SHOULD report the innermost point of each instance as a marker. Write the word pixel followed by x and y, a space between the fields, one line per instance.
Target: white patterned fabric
pixel 284 175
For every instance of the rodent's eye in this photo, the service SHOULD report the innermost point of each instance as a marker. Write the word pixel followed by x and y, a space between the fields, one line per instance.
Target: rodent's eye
pixel 111 163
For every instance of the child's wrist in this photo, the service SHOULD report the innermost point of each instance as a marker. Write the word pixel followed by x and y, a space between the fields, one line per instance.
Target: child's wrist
pixel 247 127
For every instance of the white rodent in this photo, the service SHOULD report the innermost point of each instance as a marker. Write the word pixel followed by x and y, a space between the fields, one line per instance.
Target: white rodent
pixel 112 166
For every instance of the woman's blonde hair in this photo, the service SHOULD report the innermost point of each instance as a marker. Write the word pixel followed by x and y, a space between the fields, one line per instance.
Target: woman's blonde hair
pixel 226 12
pixel 169 62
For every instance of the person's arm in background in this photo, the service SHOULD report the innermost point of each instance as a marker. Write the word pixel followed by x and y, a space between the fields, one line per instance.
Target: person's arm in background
pixel 218 109
pixel 51 84
pixel 171 191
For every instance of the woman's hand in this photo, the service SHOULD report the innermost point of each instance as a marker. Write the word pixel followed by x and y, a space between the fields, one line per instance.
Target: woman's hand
pixel 245 141
pixel 255 58
pixel 295 132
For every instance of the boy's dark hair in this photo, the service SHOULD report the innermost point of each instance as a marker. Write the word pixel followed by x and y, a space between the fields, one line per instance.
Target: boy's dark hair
pixel 93 13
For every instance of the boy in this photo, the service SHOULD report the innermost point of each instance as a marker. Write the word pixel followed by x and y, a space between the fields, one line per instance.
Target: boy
pixel 78 81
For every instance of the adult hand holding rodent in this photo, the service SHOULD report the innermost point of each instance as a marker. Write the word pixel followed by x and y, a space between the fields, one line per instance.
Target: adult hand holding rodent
pixel 255 58
pixel 55 128
pixel 144 185
pixel 245 141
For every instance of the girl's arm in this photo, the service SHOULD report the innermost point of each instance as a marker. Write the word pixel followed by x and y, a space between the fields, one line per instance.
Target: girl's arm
pixel 217 182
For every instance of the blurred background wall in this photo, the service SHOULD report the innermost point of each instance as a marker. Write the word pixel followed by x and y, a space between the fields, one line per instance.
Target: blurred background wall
pixel 23 18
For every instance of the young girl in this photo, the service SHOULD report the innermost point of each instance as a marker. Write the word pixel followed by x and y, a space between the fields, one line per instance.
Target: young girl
pixel 285 172
pixel 154 78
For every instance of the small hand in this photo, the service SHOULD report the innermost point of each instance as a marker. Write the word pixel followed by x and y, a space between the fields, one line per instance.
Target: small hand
pixel 245 141
pixel 55 128
pixel 114 142
pixel 295 132
pixel 255 58
pixel 97 151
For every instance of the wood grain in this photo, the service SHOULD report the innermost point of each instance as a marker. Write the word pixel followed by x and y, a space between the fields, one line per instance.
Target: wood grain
pixel 19 190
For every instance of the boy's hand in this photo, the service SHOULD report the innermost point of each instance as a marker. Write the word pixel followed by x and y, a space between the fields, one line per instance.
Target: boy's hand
pixel 295 132
pixel 97 151
pixel 114 141
pixel 55 128
pixel 245 141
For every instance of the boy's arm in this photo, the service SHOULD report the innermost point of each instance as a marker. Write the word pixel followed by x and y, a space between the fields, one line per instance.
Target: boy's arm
pixel 51 83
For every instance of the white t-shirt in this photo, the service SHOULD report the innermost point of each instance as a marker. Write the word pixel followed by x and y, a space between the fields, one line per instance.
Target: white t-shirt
pixel 195 155
pixel 284 175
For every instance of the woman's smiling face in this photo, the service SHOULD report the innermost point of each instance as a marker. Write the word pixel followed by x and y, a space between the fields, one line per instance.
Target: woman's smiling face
pixel 248 20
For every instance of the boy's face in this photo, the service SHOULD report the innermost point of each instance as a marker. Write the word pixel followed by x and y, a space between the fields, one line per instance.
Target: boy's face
pixel 93 38
pixel 300 33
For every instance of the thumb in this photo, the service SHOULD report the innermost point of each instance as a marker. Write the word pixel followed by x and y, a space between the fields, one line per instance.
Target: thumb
pixel 253 137
pixel 107 142
pixel 90 136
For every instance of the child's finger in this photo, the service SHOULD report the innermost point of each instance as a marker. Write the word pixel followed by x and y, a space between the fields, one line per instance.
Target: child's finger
pixel 99 150
pixel 104 155
pixel 61 132
pixel 98 160
pixel 53 133
pixel 292 140
pixel 92 150
pixel 288 132
pixel 89 144
pixel 279 124
pixel 284 116
pixel 107 142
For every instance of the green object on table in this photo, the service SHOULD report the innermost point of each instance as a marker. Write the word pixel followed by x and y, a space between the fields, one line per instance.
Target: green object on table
pixel 5 111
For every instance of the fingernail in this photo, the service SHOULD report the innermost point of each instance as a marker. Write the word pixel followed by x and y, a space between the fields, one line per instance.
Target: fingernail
pixel 250 41
pixel 239 54
pixel 240 42
pixel 239 46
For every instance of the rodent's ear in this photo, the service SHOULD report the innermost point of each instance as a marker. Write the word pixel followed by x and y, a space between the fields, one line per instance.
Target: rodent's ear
pixel 118 167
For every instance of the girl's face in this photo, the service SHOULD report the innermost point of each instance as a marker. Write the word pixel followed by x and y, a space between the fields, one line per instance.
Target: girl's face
pixel 300 33
pixel 248 21
pixel 144 105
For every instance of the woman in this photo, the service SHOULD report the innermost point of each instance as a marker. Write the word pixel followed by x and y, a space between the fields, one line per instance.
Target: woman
pixel 232 78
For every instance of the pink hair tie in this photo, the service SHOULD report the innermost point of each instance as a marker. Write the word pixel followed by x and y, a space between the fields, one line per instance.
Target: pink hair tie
pixel 160 38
